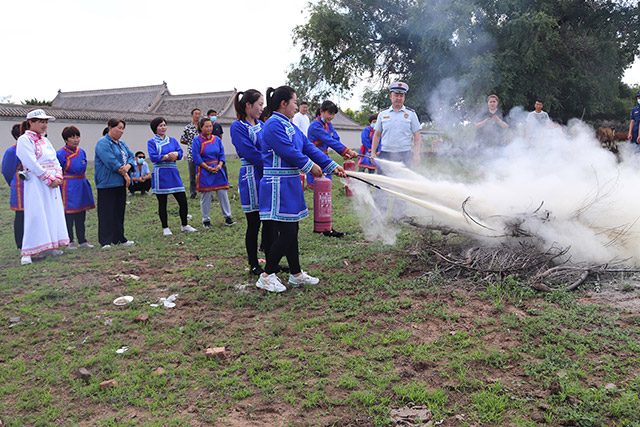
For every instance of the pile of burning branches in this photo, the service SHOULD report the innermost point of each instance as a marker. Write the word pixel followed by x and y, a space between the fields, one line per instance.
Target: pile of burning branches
pixel 545 271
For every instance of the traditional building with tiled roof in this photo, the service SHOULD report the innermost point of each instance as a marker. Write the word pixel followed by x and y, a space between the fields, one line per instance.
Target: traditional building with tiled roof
pixel 89 110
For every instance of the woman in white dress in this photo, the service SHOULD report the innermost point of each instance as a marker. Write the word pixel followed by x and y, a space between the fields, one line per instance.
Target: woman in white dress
pixel 45 228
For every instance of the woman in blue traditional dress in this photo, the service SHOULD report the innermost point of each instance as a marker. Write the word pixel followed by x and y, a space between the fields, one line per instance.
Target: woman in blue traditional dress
pixel 286 152
pixel 76 190
pixel 323 135
pixel 164 151
pixel 207 152
pixel 246 137
pixel 366 163
pixel 11 167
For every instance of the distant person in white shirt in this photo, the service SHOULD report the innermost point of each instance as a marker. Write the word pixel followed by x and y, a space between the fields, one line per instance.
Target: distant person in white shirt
pixel 301 119
pixel 537 121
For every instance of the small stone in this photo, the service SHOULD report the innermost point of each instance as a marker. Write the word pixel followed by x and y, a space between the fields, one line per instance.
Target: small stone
pixel 610 386
pixel 215 352
pixel 71 348
pixel 159 371
pixel 84 374
pixel 108 383
pixel 144 317
pixel 14 319
pixel 561 373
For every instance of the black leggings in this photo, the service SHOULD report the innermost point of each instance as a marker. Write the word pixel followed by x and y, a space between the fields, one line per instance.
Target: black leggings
pixel 285 244
pixel 181 198
pixel 78 218
pixel 18 228
pixel 251 237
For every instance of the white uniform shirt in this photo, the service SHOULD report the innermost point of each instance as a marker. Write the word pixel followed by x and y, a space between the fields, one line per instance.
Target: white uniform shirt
pixel 397 128
pixel 302 121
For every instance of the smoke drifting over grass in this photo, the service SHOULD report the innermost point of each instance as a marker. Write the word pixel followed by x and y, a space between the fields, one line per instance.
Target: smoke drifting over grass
pixel 557 189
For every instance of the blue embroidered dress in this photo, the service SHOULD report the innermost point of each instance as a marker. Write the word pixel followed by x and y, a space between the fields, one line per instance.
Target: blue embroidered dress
pixel 286 152
pixel 76 190
pixel 210 151
pixel 11 165
pixel 165 177
pixel 366 137
pixel 248 142
pixel 324 136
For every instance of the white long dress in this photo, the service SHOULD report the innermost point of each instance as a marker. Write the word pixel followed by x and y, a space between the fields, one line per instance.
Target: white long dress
pixel 44 223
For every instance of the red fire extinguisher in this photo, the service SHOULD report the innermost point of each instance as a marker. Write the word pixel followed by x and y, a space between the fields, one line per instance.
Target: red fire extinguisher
pixel 348 165
pixel 321 205
pixel 303 178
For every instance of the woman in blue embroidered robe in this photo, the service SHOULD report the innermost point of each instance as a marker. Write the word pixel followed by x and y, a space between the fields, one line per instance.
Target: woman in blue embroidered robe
pixel 286 152
pixel 11 166
pixel 164 151
pixel 207 152
pixel 77 195
pixel 366 163
pixel 323 135
pixel 246 137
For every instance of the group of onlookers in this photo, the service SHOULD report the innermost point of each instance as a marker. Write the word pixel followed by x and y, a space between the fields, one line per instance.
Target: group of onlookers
pixel 273 151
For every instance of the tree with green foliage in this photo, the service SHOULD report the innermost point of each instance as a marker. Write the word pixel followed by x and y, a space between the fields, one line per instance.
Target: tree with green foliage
pixel 36 101
pixel 571 53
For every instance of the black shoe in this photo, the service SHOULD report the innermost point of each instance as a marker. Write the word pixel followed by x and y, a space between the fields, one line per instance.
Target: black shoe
pixel 229 221
pixel 206 224
pixel 256 271
pixel 333 233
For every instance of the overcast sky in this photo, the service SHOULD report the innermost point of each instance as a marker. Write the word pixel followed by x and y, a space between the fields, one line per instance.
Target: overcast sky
pixel 195 46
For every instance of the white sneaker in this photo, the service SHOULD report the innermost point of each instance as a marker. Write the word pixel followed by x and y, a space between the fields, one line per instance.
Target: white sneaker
pixel 302 279
pixel 188 228
pixel 106 247
pixel 85 245
pixel 270 283
pixel 72 245
pixel 128 243
pixel 166 232
pixel 25 260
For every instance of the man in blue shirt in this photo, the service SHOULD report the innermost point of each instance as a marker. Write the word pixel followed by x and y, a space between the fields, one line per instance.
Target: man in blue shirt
pixel 634 118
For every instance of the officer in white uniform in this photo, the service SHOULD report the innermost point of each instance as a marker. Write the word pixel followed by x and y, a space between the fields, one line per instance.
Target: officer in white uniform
pixel 398 127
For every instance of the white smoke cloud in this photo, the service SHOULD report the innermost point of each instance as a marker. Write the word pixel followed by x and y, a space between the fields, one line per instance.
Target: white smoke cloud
pixel 561 188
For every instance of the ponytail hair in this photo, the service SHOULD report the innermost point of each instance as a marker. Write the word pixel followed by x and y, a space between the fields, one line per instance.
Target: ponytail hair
pixel 240 102
pixel 327 106
pixel 275 97
pixel 24 126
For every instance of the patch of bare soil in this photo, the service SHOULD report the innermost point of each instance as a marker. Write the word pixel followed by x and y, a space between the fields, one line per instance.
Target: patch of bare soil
pixel 624 294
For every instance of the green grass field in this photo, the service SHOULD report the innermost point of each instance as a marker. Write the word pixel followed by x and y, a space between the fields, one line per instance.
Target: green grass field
pixel 384 328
